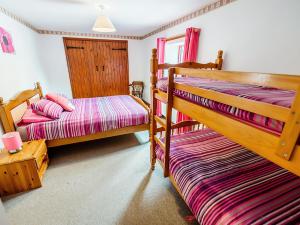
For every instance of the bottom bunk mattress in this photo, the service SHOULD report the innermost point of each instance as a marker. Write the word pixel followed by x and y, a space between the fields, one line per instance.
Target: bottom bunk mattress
pixel 91 115
pixel 224 183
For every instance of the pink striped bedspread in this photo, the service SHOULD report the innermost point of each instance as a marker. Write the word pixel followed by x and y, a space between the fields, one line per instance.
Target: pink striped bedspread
pixel 224 183
pixel 264 94
pixel 91 115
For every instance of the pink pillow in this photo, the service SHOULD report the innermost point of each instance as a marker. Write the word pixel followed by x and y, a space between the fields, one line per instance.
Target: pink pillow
pixel 47 108
pixel 62 101
pixel 31 117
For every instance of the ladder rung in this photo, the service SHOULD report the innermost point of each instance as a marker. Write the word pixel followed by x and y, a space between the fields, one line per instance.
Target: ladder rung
pixel 162 96
pixel 184 124
pixel 160 129
pixel 161 121
pixel 160 143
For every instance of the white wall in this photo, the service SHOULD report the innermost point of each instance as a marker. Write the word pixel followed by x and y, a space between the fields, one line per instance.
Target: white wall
pixel 256 35
pixel 19 71
pixel 55 64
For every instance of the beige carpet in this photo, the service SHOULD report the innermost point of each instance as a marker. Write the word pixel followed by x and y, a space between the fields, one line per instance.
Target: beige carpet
pixel 100 183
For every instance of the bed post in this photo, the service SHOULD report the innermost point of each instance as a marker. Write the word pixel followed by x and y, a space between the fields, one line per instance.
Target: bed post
pixel 2 114
pixel 39 88
pixel 154 69
pixel 219 60
pixel 291 130
pixel 6 121
pixel 169 121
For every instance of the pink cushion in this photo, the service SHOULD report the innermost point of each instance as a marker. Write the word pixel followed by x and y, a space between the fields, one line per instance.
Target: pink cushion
pixel 62 101
pixel 47 108
pixel 31 117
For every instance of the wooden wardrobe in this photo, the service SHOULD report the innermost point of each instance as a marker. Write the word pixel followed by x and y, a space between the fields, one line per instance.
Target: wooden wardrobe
pixel 97 67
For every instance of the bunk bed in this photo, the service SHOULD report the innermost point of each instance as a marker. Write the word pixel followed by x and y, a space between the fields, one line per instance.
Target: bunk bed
pixel 200 164
pixel 92 118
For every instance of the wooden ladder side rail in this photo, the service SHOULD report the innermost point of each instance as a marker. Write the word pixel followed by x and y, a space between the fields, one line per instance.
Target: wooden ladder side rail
pixel 153 107
pixel 169 122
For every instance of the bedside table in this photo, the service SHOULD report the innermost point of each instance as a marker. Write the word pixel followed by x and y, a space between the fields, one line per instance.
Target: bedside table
pixel 24 170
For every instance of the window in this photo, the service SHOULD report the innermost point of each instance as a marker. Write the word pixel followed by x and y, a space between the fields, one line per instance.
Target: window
pixel 173 54
pixel 174 51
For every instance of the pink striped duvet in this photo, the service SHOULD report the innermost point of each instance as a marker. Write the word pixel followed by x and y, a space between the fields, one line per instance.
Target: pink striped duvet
pixel 264 94
pixel 224 183
pixel 91 115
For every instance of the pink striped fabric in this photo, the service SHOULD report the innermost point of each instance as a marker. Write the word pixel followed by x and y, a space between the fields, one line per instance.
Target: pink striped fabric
pixel 224 183
pixel 47 108
pixel 264 94
pixel 91 115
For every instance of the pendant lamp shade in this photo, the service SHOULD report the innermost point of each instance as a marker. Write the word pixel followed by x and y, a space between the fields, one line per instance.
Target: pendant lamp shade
pixel 103 24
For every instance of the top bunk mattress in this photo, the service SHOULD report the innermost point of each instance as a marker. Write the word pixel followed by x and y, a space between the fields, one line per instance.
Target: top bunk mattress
pixel 91 115
pixel 264 94
pixel 224 183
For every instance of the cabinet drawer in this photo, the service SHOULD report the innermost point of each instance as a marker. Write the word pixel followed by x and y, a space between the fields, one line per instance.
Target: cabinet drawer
pixel 40 156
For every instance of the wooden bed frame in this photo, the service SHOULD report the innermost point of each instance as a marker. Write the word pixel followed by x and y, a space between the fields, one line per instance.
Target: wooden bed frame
pixel 282 150
pixel 165 123
pixel 9 113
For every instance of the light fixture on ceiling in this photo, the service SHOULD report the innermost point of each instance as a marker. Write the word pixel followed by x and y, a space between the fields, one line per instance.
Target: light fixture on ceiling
pixel 103 23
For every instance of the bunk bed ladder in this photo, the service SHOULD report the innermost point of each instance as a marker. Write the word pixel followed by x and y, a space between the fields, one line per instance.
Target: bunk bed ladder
pixel 165 123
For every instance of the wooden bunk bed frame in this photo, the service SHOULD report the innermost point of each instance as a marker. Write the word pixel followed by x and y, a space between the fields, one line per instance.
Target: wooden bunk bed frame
pixel 27 96
pixel 165 123
pixel 283 150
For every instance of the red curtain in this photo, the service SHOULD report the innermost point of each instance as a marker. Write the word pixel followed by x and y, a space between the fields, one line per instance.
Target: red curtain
pixel 161 43
pixel 190 55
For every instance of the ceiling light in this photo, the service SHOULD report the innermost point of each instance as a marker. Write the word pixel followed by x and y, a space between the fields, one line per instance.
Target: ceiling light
pixel 103 23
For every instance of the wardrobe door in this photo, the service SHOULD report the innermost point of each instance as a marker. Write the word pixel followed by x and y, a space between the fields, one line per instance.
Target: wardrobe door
pixel 81 67
pixel 111 59
pixel 101 52
pixel 117 68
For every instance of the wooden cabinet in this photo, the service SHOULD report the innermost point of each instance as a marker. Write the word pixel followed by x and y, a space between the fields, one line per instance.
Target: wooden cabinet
pixel 24 170
pixel 97 67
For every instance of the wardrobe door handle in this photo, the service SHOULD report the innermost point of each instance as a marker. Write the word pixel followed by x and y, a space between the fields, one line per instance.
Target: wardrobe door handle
pixel 103 68
pixel 97 69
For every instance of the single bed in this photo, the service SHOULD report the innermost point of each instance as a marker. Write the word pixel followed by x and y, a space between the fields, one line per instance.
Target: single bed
pixel 93 118
pixel 259 111
pixel 224 183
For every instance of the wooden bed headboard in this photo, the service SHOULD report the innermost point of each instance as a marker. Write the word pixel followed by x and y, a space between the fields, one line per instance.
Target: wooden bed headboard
pixel 217 65
pixel 12 111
